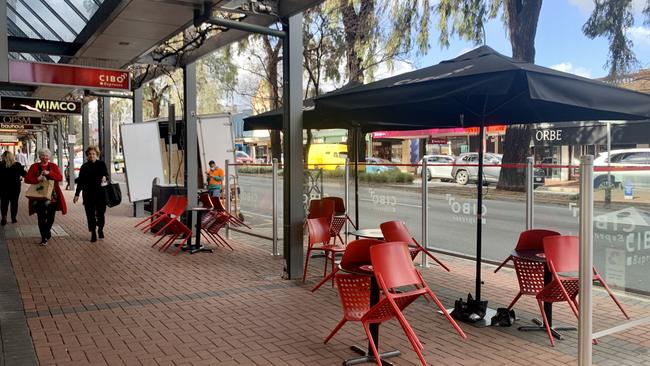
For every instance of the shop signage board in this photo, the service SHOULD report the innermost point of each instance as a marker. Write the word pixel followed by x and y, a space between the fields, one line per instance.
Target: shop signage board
pixel 23 120
pixel 438 140
pixel 39 105
pixel 36 73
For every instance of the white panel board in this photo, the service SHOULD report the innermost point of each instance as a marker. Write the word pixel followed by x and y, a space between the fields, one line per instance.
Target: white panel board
pixel 142 158
pixel 216 140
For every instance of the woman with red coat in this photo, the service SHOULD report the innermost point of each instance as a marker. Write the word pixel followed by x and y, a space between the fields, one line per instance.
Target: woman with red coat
pixel 46 209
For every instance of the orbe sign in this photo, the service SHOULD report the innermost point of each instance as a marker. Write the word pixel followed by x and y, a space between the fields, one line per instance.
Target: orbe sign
pixel 548 135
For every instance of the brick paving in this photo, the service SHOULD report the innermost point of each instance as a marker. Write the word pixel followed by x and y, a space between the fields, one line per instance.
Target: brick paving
pixel 120 302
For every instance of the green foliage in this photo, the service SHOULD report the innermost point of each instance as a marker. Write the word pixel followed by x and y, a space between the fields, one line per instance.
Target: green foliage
pixel 216 78
pixel 465 19
pixel 612 19
pixel 389 176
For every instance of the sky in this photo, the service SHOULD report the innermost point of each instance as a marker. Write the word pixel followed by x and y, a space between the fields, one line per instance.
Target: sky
pixel 559 43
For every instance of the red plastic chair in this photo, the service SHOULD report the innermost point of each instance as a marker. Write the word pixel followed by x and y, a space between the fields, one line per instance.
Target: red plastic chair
pixel 356 252
pixel 319 237
pixel 530 240
pixel 211 229
pixel 163 211
pixel 174 214
pixel 394 269
pixel 562 256
pixel 206 200
pixel 397 231
pixel 232 219
pixel 340 217
pixel 530 275
pixel 321 208
pixel 176 229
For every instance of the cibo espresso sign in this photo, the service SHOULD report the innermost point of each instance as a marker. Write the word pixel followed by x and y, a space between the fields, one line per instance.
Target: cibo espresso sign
pixel 49 106
pixel 68 75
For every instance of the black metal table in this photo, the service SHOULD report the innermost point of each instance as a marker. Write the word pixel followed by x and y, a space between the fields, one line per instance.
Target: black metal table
pixel 196 247
pixel 366 354
pixel 538 256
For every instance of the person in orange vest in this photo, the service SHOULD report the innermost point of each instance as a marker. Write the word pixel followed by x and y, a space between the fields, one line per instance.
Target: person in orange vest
pixel 215 178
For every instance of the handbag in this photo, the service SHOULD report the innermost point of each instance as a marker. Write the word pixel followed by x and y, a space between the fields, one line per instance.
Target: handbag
pixel 112 194
pixel 41 191
pixel 503 318
pixel 469 311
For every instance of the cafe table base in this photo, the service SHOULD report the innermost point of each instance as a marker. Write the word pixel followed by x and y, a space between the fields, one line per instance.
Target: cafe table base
pixel 485 322
pixel 367 356
pixel 541 328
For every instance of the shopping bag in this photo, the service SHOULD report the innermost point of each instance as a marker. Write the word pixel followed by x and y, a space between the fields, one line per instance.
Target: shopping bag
pixel 113 194
pixel 41 191
pixel 503 318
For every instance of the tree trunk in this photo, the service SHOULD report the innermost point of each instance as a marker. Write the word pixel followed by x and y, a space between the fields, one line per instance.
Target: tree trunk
pixel 522 16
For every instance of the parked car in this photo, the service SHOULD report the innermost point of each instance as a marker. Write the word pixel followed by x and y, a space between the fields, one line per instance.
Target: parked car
pixel 438 167
pixel 629 158
pixel 491 169
pixel 243 158
pixel 379 168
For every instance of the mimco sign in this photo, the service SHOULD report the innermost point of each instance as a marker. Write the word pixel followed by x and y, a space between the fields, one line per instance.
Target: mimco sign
pixel 48 106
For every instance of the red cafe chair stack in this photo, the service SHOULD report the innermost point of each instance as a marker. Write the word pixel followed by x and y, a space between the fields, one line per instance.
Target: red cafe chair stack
pixel 232 219
pixel 213 221
pixel 529 240
pixel 319 238
pixel 163 211
pixel 340 217
pixel 397 231
pixel 175 230
pixel 393 269
pixel 165 217
pixel 530 274
pixel 357 251
pixel 563 259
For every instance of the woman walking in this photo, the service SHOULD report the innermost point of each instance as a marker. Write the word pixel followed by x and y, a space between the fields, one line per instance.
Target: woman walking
pixel 46 209
pixel 11 173
pixel 91 176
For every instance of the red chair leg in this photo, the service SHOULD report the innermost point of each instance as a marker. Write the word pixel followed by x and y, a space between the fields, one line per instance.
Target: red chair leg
pixel 180 246
pixel 304 273
pixel 158 241
pixel 333 267
pixel 366 328
pixel 322 282
pixel 502 264
pixel 514 300
pixel 611 294
pixel 446 314
pixel 336 329
pixel 436 259
pixel 548 327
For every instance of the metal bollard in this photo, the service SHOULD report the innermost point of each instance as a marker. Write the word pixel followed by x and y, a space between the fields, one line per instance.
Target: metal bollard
pixel 227 193
pixel 274 186
pixel 586 259
pixel 530 189
pixel 425 213
pixel 346 193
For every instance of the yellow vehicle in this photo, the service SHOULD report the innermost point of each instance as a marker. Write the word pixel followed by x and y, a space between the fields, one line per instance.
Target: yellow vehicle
pixel 332 156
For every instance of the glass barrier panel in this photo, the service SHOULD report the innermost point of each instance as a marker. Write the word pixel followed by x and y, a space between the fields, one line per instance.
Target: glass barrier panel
pixel 388 192
pixel 622 258
pixel 254 199
pixel 452 208
pixel 504 209
pixel 556 198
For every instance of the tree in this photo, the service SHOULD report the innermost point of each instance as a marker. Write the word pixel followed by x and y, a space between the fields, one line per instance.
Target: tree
pixel 521 18
pixel 612 19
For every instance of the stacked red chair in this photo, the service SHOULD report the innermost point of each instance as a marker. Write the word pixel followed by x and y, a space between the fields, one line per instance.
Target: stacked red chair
pixel 397 231
pixel 530 274
pixel 319 238
pixel 529 240
pixel 174 213
pixel 562 257
pixel 357 251
pixel 340 218
pixel 393 269
pixel 163 211
pixel 175 230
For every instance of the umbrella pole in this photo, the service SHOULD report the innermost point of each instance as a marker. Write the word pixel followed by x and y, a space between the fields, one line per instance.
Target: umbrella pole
pixel 479 210
pixel 356 177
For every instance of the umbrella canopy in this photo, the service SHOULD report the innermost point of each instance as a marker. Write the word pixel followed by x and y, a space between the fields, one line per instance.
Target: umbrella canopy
pixel 315 119
pixel 485 86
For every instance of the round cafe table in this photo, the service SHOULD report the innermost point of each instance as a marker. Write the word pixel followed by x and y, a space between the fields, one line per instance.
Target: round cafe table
pixel 366 354
pixel 368 233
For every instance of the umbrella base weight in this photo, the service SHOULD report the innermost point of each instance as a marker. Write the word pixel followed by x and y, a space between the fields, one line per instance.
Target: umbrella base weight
pixel 541 328
pixel 369 357
pixel 485 322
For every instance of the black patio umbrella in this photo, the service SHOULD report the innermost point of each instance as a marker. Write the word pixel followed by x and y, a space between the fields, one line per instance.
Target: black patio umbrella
pixel 481 87
pixel 314 119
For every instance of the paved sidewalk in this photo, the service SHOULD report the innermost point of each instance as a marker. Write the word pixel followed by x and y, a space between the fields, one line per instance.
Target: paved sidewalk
pixel 120 302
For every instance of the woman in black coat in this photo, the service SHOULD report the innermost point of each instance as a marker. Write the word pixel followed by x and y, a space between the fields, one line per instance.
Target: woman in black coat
pixel 11 173
pixel 91 176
